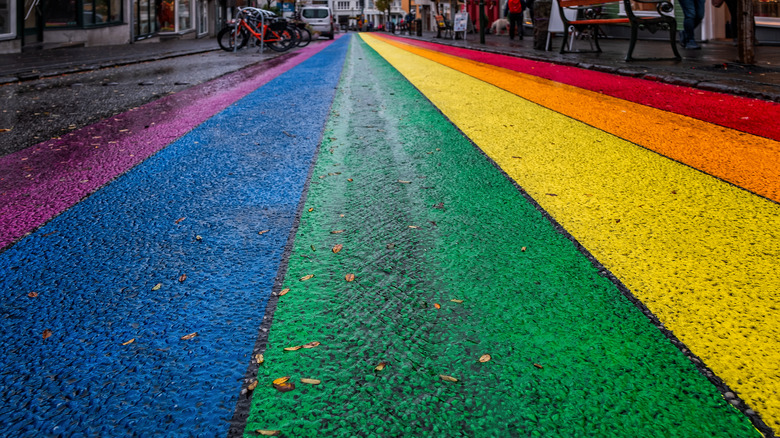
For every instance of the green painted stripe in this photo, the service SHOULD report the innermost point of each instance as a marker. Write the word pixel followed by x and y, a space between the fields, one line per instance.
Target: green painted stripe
pixel 603 368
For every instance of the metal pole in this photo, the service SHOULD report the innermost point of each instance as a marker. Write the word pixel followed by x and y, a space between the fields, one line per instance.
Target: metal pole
pixel 482 20
pixel 745 32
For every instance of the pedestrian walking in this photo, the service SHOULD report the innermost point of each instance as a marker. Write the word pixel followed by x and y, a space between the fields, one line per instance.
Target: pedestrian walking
pixel 693 11
pixel 515 18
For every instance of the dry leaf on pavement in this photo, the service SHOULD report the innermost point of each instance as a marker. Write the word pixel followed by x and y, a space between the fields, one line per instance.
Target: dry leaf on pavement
pixel 337 231
pixel 311 381
pixel 281 380
pixel 129 342
pixel 157 286
pixel 307 277
pixel 349 277
pixel 484 358
pixel 266 432
pixel 284 291
pixel 381 366
pixel 189 336
pixel 263 232
pixel 457 301
pixel 448 378
pixel 337 248
pixel 311 344
pixel 182 278
pixel 296 348
pixel 47 334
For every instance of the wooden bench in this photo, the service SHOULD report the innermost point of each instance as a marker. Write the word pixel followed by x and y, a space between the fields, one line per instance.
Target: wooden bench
pixel 588 19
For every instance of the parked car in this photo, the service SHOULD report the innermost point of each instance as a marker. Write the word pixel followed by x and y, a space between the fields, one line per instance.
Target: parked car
pixel 320 19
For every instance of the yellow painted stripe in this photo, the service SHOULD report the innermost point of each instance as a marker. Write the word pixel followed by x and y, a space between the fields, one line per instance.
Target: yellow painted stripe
pixel 700 253
pixel 747 160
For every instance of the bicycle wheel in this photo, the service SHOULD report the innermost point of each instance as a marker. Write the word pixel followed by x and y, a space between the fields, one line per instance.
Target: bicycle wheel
pixel 305 37
pixel 279 41
pixel 226 37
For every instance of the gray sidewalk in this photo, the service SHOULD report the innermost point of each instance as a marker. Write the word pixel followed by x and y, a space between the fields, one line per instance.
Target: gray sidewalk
pixel 713 68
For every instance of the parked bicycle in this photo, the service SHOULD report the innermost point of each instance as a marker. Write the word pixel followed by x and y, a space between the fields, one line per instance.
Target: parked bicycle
pixel 264 26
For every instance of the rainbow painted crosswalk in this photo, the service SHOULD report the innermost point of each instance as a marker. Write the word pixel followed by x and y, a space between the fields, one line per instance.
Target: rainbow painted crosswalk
pixel 386 237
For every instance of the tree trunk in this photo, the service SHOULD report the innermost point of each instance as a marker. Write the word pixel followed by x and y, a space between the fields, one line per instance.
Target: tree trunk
pixel 746 36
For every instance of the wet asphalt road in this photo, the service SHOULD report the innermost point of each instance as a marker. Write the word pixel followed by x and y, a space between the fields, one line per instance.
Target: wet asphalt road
pixel 38 110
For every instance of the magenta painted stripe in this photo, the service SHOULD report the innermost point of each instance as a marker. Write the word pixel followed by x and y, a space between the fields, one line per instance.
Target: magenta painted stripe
pixel 704 105
pixel 42 181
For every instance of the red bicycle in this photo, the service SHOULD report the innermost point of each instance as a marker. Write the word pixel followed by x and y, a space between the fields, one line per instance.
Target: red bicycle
pixel 267 29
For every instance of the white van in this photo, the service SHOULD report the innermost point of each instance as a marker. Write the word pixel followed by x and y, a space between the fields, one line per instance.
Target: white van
pixel 320 19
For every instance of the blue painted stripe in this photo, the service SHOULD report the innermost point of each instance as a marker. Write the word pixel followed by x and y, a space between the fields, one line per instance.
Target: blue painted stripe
pixel 94 268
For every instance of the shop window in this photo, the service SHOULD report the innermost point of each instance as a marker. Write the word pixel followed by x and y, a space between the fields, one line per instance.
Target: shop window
pixel 7 14
pixel 767 12
pixel 87 13
pixel 185 15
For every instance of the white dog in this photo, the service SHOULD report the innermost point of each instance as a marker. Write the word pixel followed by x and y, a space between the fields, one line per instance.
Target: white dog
pixel 500 27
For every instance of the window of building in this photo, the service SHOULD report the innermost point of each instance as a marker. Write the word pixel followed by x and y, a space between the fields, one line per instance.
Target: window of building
pixel 767 12
pixel 7 21
pixel 343 6
pixel 87 13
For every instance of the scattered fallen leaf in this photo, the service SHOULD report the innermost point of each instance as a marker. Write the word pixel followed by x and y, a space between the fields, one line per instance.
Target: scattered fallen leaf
pixel 551 194
pixel 337 248
pixel 448 378
pixel 198 237
pixel 265 432
pixel 404 182
pixel 47 334
pixel 313 248
pixel 129 342
pixel 307 277
pixel 182 278
pixel 285 387
pixel 157 286
pixel 281 380
pixel 440 206
pixel 32 294
pixel 311 344
pixel 437 305
pixel 284 291
pixel 180 219
pixel 349 277
pixel 252 385
pixel 413 226
pixel 5 129
pixel 311 381
pixel 522 249
pixel 311 209
pixel 617 221
pixel 297 347
pixel 263 232
pixel 457 301
pixel 349 179
pixel 390 245
pixel 259 359
pixel 337 231
pixel 484 358
pixel 381 366
pixel 538 366
pixel 189 336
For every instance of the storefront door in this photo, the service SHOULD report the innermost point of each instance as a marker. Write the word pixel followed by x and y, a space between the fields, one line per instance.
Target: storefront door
pixel 32 35
pixel 145 15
